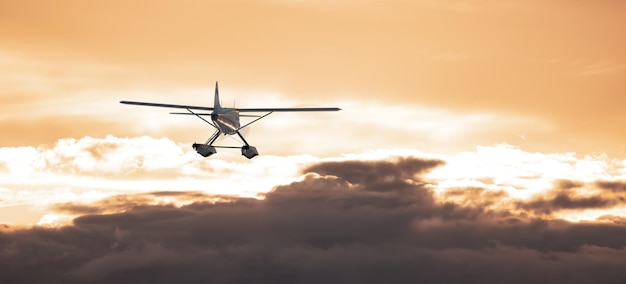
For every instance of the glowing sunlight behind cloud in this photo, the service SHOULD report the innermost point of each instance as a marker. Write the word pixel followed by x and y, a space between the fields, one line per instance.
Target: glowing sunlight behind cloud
pixel 92 169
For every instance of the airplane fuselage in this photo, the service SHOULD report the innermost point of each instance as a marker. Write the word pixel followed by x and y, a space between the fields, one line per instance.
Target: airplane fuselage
pixel 226 120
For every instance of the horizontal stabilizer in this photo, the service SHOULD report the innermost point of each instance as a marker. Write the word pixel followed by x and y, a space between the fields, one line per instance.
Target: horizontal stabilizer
pixel 288 109
pixel 207 114
pixel 189 113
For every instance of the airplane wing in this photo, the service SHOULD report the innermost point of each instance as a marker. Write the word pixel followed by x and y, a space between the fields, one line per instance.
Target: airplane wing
pixel 288 109
pixel 238 109
pixel 165 105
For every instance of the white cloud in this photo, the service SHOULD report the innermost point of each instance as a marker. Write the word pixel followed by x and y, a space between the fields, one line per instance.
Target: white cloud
pixel 522 174
pixel 20 161
pixel 90 169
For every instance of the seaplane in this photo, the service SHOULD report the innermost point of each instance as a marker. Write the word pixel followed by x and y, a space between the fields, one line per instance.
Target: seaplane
pixel 226 121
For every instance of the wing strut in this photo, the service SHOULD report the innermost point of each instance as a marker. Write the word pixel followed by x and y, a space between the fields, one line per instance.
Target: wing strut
pixel 200 117
pixel 251 122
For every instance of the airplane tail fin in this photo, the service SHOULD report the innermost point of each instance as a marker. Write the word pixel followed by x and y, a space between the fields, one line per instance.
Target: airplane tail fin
pixel 216 101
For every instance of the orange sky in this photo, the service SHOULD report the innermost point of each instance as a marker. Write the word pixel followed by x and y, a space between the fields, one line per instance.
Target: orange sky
pixel 440 77
pixel 551 72
pixel 480 137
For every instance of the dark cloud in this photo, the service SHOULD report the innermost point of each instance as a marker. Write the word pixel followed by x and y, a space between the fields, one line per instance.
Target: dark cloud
pixel 73 208
pixel 568 201
pixel 125 202
pixel 345 222
pixel 474 196
pixel 565 197
pixel 614 186
pixel 568 184
pixel 375 171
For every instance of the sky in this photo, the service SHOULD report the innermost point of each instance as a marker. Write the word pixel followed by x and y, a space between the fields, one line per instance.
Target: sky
pixel 478 141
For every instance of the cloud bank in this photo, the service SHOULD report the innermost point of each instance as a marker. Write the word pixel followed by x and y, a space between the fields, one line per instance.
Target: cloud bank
pixel 88 170
pixel 365 221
